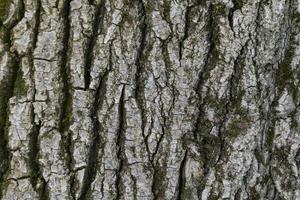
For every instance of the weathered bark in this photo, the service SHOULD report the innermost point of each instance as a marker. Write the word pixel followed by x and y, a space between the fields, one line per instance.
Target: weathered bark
pixel 120 99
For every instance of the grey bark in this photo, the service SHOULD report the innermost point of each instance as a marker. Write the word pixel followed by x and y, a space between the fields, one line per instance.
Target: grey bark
pixel 149 99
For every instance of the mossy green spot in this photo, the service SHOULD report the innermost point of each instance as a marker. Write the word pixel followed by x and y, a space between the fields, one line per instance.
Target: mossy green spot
pixel 20 85
pixel 3 5
pixel 237 126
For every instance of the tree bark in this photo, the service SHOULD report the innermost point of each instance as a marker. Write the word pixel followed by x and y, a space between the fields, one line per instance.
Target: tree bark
pixel 166 99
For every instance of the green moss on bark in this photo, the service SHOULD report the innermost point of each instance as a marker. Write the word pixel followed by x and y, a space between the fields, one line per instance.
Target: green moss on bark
pixel 238 126
pixel 3 8
pixel 159 184
pixel 20 85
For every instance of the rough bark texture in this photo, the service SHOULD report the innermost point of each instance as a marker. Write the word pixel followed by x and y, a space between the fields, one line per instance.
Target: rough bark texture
pixel 141 99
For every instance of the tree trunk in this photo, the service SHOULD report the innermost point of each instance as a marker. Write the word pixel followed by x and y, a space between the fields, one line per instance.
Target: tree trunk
pixel 165 100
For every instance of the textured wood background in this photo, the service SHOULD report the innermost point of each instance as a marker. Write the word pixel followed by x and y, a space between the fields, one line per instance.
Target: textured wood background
pixel 141 99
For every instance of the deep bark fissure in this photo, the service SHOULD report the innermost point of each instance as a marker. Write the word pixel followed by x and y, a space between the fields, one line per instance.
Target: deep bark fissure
pixel 35 31
pixel 236 74
pixel 147 139
pixel 7 86
pixel 139 81
pixel 231 100
pixel 37 180
pixel 93 160
pixel 211 51
pixel 237 194
pixel 237 5
pixel 157 186
pixel 134 187
pixel 157 145
pixel 139 90
pixel 255 41
pixel 34 40
pixel 96 29
pixel 7 91
pixel 157 176
pixel 186 32
pixel 169 71
pixel 181 177
pixel 209 62
pixel 66 101
pixel 64 118
pixel 257 25
pixel 204 114
pixel 272 178
pixel 120 144
pixel 158 172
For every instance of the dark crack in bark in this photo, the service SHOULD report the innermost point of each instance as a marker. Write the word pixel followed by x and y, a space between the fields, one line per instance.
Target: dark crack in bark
pixel 186 32
pixel 140 69
pixel 36 28
pixel 95 141
pixel 66 101
pixel 187 19
pixel 159 172
pixel 212 53
pixel 120 142
pixel 157 187
pixel 181 177
pixel 96 29
pixel 237 5
pixel 211 136
pixel 37 180
pixel 6 92
pixel 7 87
pixel 209 63
pixel 233 96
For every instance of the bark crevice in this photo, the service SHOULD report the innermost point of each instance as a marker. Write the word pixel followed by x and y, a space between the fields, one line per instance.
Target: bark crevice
pixel 36 177
pixel 65 114
pixel 209 63
pixel 7 87
pixel 120 144
pixel 140 70
pixel 237 5
pixel 181 177
pixel 89 51
pixel 95 141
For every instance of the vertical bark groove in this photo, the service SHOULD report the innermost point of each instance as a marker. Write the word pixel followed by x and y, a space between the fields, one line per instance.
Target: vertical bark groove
pixel 96 28
pixel 181 177
pixel 36 178
pixel 237 5
pixel 7 91
pixel 208 65
pixel 149 99
pixel 120 144
pixel 139 82
pixel 66 102
pixel 93 156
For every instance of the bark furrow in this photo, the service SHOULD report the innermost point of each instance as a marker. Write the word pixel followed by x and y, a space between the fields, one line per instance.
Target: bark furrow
pixel 149 99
